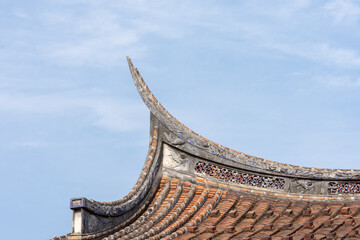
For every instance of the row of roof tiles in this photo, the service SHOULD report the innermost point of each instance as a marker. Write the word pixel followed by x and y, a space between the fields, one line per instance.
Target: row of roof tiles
pixel 184 210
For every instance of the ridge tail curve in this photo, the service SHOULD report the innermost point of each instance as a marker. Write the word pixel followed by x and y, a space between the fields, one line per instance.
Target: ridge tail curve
pixel 230 156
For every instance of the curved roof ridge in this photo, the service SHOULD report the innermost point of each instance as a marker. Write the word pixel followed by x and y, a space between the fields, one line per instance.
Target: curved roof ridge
pixel 256 163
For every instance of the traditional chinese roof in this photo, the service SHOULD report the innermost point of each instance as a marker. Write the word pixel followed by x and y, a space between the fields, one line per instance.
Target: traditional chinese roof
pixel 193 188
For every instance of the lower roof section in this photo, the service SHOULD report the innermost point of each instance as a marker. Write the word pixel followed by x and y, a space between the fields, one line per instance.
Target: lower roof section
pixel 192 210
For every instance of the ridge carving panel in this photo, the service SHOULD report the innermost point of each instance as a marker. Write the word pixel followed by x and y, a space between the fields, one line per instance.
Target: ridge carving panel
pixel 234 176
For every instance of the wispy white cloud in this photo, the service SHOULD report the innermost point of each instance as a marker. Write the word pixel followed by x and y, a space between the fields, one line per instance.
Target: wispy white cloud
pixel 100 38
pixel 339 80
pixel 344 10
pixel 30 144
pixel 20 13
pixel 106 50
pixel 335 55
pixel 107 31
pixel 322 53
pixel 109 113
pixel 285 10
pixel 116 115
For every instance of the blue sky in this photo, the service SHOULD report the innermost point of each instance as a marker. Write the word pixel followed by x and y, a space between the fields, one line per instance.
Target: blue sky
pixel 275 79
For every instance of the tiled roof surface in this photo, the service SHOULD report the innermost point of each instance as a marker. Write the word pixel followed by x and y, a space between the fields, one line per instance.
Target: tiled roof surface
pixel 184 210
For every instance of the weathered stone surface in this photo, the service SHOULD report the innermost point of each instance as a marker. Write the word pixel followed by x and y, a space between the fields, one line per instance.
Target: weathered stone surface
pixel 183 134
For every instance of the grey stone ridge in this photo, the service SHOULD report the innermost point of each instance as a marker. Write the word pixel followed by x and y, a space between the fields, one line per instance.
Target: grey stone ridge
pixel 175 151
pixel 183 137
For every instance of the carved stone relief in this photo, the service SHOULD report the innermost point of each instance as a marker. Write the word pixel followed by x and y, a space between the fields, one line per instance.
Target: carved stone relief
pixel 174 159
pixel 173 140
pixel 302 186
